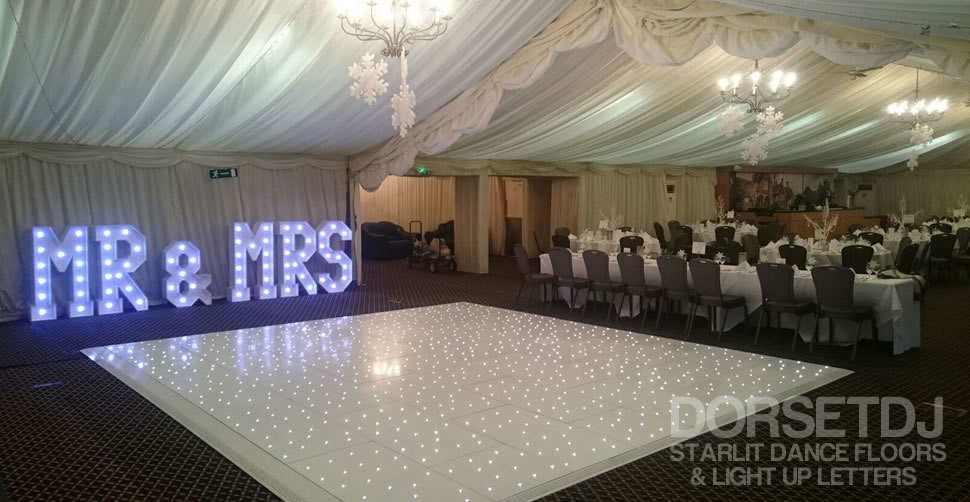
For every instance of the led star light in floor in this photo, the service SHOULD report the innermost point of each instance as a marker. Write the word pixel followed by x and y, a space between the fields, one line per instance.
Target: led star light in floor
pixel 453 402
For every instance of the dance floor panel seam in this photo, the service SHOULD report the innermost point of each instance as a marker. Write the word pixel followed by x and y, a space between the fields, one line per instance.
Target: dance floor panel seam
pixel 297 405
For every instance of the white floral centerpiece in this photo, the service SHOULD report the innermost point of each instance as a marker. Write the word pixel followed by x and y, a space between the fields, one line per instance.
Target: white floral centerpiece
pixel 720 213
pixel 613 222
pixel 826 225
pixel 897 219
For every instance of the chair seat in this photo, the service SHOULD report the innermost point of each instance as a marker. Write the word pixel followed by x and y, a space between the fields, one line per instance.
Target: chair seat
pixel 540 278
pixel 575 282
pixel 855 314
pixel 788 308
pixel 961 257
pixel 726 301
pixel 939 259
pixel 607 286
pixel 679 295
pixel 648 291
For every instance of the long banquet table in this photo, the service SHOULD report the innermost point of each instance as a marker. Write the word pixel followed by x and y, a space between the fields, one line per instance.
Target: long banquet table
pixel 891 299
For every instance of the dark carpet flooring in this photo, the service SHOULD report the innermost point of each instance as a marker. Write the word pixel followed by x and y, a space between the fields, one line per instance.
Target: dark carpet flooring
pixel 70 431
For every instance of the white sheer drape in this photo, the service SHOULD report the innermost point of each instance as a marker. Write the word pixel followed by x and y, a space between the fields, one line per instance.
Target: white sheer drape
pixel 166 200
pixel 695 193
pixel 653 32
pixel 637 193
pixel 564 210
pixel 932 192
pixel 402 199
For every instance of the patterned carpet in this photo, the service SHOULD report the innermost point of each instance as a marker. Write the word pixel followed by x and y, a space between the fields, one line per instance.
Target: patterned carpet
pixel 73 432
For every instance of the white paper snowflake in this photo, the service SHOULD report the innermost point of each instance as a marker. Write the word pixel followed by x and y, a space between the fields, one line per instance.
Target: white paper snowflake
pixel 368 79
pixel 755 148
pixel 403 105
pixel 913 159
pixel 769 121
pixel 681 254
pixel 730 121
pixel 920 134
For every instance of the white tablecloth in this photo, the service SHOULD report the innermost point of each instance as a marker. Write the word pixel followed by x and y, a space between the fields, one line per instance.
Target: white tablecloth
pixel 651 246
pixel 891 299
pixel 884 258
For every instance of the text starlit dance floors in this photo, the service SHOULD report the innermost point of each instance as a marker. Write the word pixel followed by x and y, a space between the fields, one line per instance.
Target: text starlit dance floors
pixel 452 402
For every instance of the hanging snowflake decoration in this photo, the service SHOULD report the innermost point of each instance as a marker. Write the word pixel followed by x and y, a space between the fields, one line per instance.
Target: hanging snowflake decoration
pixel 769 121
pixel 368 79
pixel 730 121
pixel 919 135
pixel 912 159
pixel 403 102
pixel 755 148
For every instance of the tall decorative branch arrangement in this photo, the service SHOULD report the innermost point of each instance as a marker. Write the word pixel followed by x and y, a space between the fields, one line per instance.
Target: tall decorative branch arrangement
pixel 897 219
pixel 826 225
pixel 719 210
pixel 614 221
pixel 962 203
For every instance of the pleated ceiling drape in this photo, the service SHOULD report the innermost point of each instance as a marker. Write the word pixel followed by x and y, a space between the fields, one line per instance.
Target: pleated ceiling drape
pixel 167 195
pixel 402 199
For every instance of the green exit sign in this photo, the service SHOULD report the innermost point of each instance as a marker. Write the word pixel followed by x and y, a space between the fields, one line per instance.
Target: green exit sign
pixel 215 174
pixel 423 170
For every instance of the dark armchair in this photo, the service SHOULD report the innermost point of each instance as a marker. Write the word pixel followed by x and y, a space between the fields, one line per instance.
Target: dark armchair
pixel 384 240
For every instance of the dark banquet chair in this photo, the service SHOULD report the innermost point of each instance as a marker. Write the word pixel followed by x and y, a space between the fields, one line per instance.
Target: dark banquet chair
pixel 962 257
pixel 751 247
pixel 855 226
pixel 769 233
pixel 530 278
pixel 673 283
pixel 907 259
pixel 730 249
pixel 561 231
pixel 941 252
pixel 631 242
pixel 659 230
pixel 872 237
pixel 560 241
pixel 707 293
pixel 835 298
pixel 793 254
pixel 598 273
pixel 724 233
pixel 903 243
pixel 631 273
pixel 778 297
pixel 857 257
pixel 672 225
pixel 562 268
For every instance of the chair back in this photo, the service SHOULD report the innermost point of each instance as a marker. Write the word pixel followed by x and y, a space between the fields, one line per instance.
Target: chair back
pixel 685 230
pixel 683 241
pixel 562 231
pixel 922 258
pixel 672 226
pixel 625 229
pixel 857 257
pixel 707 277
pixel 673 272
pixel 905 241
pixel 946 228
pixel 777 283
pixel 907 258
pixel 562 263
pixel 855 226
pixel 834 287
pixel 597 265
pixel 872 237
pixel 963 239
pixel 730 250
pixel 560 241
pixel 941 245
pixel 631 269
pixel 751 246
pixel 535 237
pixel 768 233
pixel 631 242
pixel 794 255
pixel 521 258
pixel 659 230
pixel 724 233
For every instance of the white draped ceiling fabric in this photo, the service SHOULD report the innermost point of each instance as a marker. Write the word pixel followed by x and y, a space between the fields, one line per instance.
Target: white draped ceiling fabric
pixel 654 33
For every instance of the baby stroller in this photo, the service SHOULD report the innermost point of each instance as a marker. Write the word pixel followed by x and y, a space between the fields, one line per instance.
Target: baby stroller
pixel 432 251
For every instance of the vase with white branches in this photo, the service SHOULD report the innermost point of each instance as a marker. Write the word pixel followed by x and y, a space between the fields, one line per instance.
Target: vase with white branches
pixel 963 204
pixel 826 225
pixel 720 214
pixel 897 219
pixel 614 221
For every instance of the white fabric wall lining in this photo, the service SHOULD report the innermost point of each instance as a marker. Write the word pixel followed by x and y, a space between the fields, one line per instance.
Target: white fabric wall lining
pixel 165 194
pixel 654 32
pixel 401 199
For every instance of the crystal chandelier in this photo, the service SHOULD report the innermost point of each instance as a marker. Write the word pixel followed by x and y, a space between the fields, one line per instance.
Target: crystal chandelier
pixel 919 111
pixel 399 24
pixel 917 115
pixel 757 96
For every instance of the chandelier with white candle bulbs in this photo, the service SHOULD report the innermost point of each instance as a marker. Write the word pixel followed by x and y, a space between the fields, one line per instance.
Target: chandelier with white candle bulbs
pixel 399 24
pixel 751 90
pixel 758 94
pixel 917 115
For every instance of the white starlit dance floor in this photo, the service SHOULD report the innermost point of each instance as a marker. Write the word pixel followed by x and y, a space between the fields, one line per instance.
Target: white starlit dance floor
pixel 452 402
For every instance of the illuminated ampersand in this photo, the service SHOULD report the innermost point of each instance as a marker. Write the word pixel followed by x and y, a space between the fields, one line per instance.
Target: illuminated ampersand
pixel 184 285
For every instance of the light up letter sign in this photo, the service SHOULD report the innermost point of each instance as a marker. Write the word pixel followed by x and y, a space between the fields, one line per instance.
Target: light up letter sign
pixel 184 286
pixel 246 246
pixel 339 280
pixel 299 245
pixel 49 251
pixel 116 267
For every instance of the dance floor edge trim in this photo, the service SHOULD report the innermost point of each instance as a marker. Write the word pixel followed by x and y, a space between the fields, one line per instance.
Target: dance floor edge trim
pixel 290 486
